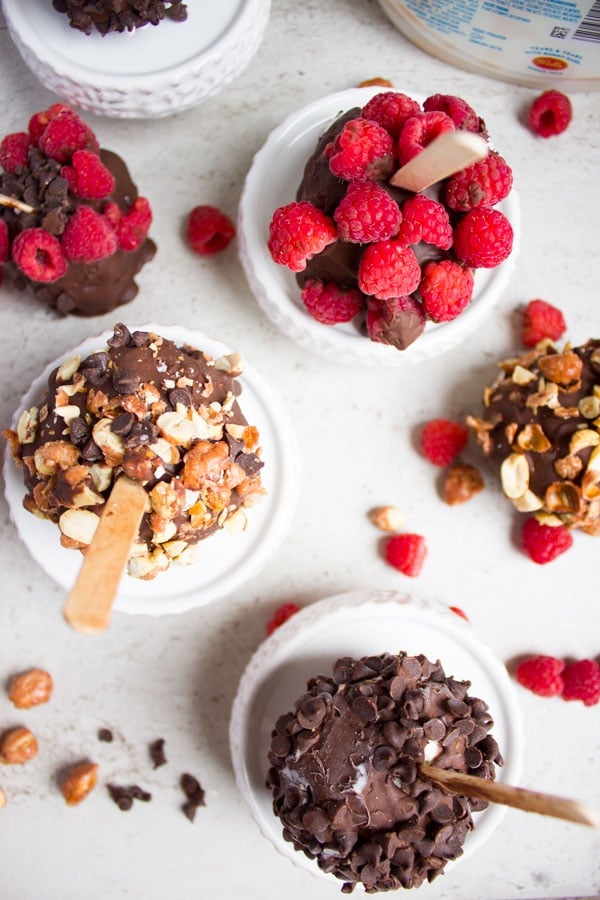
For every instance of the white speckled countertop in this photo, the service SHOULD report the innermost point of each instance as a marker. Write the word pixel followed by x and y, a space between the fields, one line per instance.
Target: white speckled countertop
pixel 176 677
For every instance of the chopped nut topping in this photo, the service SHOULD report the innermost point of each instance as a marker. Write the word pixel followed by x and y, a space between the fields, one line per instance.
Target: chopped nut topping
pixel 387 518
pixel 514 475
pixel 461 483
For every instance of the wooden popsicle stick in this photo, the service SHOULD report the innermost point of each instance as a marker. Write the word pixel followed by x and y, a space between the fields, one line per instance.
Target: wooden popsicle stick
pixel 447 154
pixel 521 798
pixel 89 604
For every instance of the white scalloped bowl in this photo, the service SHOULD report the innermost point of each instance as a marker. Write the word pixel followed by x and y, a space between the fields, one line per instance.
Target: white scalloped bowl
pixel 272 181
pixel 150 72
pixel 363 623
pixel 225 561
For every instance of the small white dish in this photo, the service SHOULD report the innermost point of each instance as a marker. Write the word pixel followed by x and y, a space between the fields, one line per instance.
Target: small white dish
pixel 150 72
pixel 356 624
pixel 225 561
pixel 272 181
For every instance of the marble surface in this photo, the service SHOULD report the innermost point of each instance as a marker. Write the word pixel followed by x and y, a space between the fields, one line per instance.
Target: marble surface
pixel 175 677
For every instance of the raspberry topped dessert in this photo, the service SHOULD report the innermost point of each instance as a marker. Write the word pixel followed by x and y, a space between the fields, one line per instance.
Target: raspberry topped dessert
pixel 348 777
pixel 72 226
pixel 119 15
pixel 541 429
pixel 386 258
pixel 168 417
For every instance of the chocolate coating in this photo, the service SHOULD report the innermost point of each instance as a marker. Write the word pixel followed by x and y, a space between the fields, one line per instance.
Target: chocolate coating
pixel 119 15
pixel 345 771
pixel 545 408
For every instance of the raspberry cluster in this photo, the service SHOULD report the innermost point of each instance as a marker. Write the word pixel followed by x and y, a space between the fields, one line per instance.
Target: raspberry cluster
pixel 61 205
pixel 549 676
pixel 389 259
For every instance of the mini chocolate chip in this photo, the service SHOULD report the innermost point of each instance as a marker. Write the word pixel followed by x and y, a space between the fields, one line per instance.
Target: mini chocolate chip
pixel 122 424
pixel 192 788
pixel 365 708
pixel 121 336
pixel 139 339
pixel 141 433
pixel 95 368
pixel 139 793
pixel 384 758
pixel 473 758
pixel 91 452
pixel 434 730
pixel 157 753
pixel 180 395
pixel 126 381
pixel 79 431
pixel 105 734
pixel 189 810
pixel 121 796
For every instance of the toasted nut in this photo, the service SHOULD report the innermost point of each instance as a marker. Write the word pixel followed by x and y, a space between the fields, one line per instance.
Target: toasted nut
pixel 590 484
pixel 563 497
pixel 175 548
pixel 232 363
pixel 532 438
pixel 510 431
pixel 2 798
pixel 79 524
pixel 149 565
pixel 589 407
pixel 17 747
pixel 547 395
pixel 568 467
pixel 110 443
pixel 188 556
pixel 27 425
pixel 66 371
pixel 387 518
pixel 68 412
pixel 461 483
pixel 101 476
pixel 582 439
pixel 514 475
pixel 55 455
pixel 561 368
pixel 529 502
pixel 593 462
pixel 30 688
pixel 236 522
pixel 549 519
pixel 78 782
pixel 521 375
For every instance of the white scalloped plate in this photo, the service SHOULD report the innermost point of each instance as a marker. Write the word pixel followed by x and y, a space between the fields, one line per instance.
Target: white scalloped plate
pixel 272 182
pixel 225 561
pixel 150 72
pixel 363 623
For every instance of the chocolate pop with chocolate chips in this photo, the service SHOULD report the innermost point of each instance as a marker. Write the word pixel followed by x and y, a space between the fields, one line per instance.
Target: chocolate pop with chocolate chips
pixel 119 15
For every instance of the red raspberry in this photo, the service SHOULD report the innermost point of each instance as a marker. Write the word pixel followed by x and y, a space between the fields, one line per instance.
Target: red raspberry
pixel 582 682
pixel 446 289
pixel 64 134
pixel 4 242
pixel 398 321
pixel 14 151
pixel 297 232
pixel 424 219
pixel 406 552
pixel 390 110
pixel 39 120
pixel 38 255
pixel 542 320
pixel 543 543
pixel 362 151
pixel 329 303
pixel 460 112
pixel 209 230
pixel 88 237
pixel 542 675
pixel 550 114
pixel 420 130
pixel 134 225
pixel 442 440
pixel 88 177
pixel 483 238
pixel 485 183
pixel 367 213
pixel 388 269
pixel 281 615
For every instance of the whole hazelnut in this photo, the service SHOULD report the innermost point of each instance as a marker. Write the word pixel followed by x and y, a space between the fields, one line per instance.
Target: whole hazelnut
pixel 78 782
pixel 30 688
pixel 17 746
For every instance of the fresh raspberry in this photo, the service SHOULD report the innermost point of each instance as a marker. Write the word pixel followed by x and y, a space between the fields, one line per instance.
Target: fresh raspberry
pixel 420 130
pixel 550 114
pixel 4 242
pixel 88 177
pixel 542 675
pixel 388 269
pixel 14 151
pixel 397 321
pixel 542 320
pixel 329 303
pixel 543 543
pixel 38 255
pixel 442 440
pixel 64 134
pixel 39 120
pixel 88 237
pixel 582 681
pixel 297 232
pixel 362 151
pixel 367 213
pixel 459 612
pixel 133 226
pixel 281 615
pixel 406 552
pixel 445 289
pixel 391 110
pixel 463 115
pixel 209 230
pixel 485 183
pixel 483 238
pixel 424 219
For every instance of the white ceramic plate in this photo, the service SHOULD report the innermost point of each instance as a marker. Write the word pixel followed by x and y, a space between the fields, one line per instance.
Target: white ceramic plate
pixel 152 71
pixel 360 624
pixel 272 181
pixel 225 561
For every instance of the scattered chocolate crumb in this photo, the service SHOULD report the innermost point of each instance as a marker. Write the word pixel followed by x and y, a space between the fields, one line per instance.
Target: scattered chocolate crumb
pixel 157 753
pixel 194 792
pixel 124 796
pixel 105 734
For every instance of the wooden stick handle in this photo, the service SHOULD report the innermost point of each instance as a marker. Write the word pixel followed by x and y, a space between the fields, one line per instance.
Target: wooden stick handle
pixel 89 604
pixel 447 154
pixel 497 792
